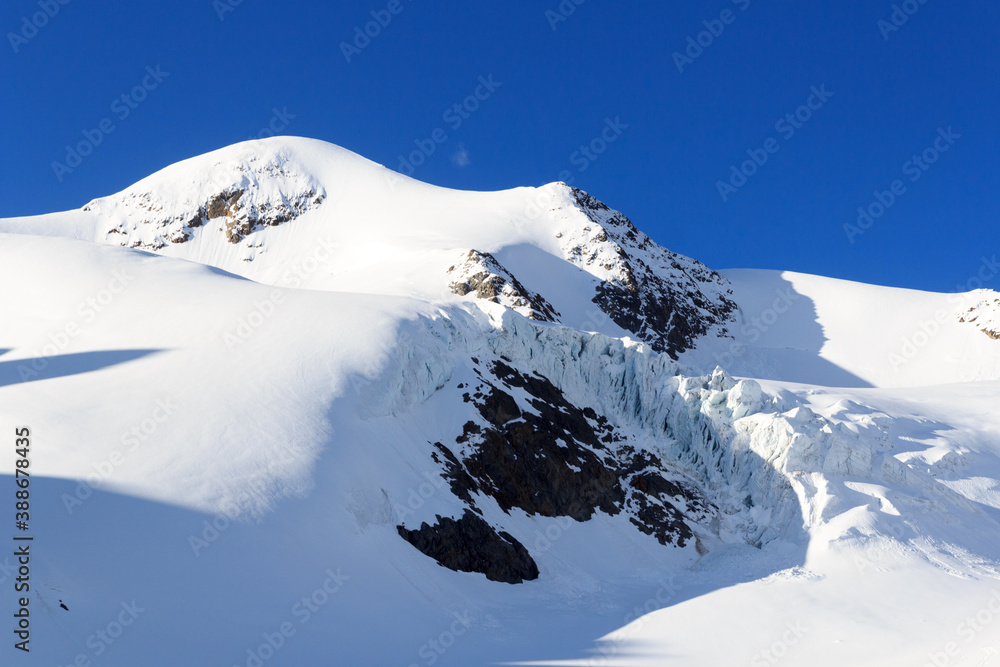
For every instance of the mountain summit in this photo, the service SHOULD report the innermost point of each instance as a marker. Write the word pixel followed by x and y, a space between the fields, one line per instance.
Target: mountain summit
pixel 310 401
pixel 260 208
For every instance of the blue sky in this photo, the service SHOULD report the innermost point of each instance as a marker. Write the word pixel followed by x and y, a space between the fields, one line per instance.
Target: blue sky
pixel 594 92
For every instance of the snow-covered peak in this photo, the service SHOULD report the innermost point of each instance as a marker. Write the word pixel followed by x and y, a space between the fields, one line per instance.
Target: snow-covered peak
pixel 231 198
pixel 438 450
pixel 296 212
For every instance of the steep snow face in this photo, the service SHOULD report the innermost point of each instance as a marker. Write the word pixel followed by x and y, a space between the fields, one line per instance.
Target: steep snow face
pixel 808 329
pixel 301 213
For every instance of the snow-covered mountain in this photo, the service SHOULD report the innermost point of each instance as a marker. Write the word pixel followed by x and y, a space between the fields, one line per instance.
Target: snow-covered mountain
pixel 304 213
pixel 302 410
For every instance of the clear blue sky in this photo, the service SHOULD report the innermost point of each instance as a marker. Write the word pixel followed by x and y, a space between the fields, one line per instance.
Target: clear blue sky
pixel 606 60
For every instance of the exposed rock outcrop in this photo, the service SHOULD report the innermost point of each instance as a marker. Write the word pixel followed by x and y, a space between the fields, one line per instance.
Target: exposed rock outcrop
pixel 985 315
pixel 531 449
pixel 665 299
pixel 480 274
pixel 243 200
pixel 469 544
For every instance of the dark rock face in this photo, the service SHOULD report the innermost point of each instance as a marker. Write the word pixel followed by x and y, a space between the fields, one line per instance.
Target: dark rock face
pixel 529 448
pixel 484 277
pixel 663 298
pixel 472 545
pixel 551 463
pixel 649 500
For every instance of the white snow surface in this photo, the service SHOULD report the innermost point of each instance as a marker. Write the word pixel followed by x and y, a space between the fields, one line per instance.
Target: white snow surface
pixel 812 330
pixel 358 227
pixel 226 435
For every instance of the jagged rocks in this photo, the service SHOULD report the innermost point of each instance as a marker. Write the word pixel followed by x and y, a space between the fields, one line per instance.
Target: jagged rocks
pixel 237 202
pixel 469 544
pixel 221 205
pixel 548 460
pixel 651 501
pixel 529 448
pixel 985 315
pixel 481 275
pixel 665 299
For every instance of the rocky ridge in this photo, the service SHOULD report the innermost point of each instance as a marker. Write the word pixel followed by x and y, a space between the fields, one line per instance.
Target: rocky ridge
pixel 247 197
pixel 985 314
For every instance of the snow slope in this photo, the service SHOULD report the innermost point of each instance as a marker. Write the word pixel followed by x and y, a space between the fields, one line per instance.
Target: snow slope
pixel 227 478
pixel 808 329
pixel 236 423
pixel 303 213
pixel 890 577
